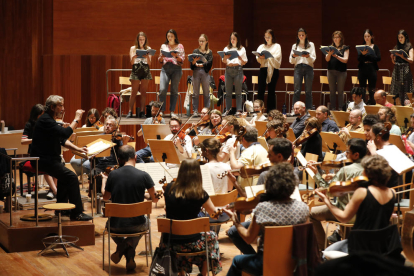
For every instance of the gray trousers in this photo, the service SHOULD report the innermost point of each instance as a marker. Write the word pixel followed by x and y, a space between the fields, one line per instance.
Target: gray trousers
pixel 336 81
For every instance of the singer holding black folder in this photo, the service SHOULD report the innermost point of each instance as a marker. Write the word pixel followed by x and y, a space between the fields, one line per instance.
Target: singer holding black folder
pixel 337 69
pixel 200 73
pixel 140 74
pixel 234 73
pixel 402 78
pixel 269 69
pixel 303 66
pixel 368 66
pixel 171 69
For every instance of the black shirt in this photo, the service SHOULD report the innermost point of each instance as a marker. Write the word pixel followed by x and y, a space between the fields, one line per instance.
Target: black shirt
pixel 299 125
pixel 399 59
pixel 335 64
pixel 28 133
pixel 313 145
pixel 103 162
pixel 127 185
pixel 208 57
pixel 182 209
pixel 48 137
pixel 369 58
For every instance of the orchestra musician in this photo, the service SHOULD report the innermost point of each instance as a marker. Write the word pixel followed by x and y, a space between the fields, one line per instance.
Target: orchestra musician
pixel 215 120
pixel 314 144
pixel 183 201
pixel 387 114
pixel 127 185
pixel 358 101
pixel 410 132
pixel 231 125
pixel 253 155
pixel 298 125
pixel 355 124
pixel 258 107
pixel 48 137
pixel 91 117
pixel 356 150
pixel 380 97
pixel 278 210
pixel 276 114
pixel 368 122
pixel 105 113
pixel 272 127
pixel 322 114
pixel 199 126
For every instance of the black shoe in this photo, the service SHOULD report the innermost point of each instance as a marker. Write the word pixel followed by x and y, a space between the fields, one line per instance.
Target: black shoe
pixel 129 115
pixel 130 255
pixel 81 217
pixel 142 115
pixel 335 237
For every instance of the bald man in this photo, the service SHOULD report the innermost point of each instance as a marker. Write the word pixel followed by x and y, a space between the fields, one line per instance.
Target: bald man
pixel 322 114
pixel 355 124
pixel 298 125
pixel 380 97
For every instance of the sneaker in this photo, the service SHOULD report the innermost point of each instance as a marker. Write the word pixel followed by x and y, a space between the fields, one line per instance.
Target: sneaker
pixel 129 115
pixel 81 217
pixel 172 114
pixel 226 113
pixel 50 195
pixel 335 237
pixel 130 255
pixel 195 114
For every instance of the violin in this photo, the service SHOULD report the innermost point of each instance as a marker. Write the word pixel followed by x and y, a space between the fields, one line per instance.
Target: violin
pixel 217 213
pixel 224 137
pixel 118 136
pixel 248 171
pixel 98 125
pixel 385 130
pixel 305 136
pixel 217 129
pixel 239 135
pixel 107 171
pixel 245 205
pixel 158 117
pixel 330 164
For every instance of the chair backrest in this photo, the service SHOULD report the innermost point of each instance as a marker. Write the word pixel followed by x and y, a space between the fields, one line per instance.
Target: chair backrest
pixel 386 80
pixel 157 79
pixel 255 79
pixel 323 79
pixel 124 81
pixel 355 80
pixel 184 227
pixel 277 251
pixel 224 199
pixel 128 210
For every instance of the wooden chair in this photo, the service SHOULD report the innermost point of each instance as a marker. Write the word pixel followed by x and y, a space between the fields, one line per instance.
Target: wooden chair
pixel 345 227
pixel 406 204
pixel 255 80
pixel 126 211
pixel 291 80
pixel 386 81
pixel 157 84
pixel 186 227
pixel 124 96
pixel 223 200
pixel 355 81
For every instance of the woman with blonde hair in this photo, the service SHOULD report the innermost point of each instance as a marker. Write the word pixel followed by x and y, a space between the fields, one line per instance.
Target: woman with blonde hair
pixel 183 201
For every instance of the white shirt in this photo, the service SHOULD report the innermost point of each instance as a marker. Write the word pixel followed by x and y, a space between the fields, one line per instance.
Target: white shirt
pixel 133 51
pixel 230 143
pixel 276 52
pixel 360 106
pixel 241 52
pixel 220 184
pixel 187 147
pixel 298 60
pixel 255 119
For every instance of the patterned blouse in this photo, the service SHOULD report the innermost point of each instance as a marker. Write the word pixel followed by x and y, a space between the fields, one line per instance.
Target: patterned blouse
pixel 179 49
pixel 276 213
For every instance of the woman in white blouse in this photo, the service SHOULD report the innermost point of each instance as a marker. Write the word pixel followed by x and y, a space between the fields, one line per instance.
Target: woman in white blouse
pixel 171 69
pixel 269 69
pixel 234 73
pixel 140 74
pixel 258 107
pixel 303 66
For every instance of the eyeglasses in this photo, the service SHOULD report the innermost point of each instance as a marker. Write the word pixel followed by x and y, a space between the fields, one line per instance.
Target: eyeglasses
pixel 201 41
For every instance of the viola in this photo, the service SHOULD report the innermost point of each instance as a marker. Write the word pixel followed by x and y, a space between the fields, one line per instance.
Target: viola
pixel 305 136
pixel 217 213
pixel 330 164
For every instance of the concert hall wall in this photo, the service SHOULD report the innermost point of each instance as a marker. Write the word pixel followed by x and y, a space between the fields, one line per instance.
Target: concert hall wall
pixel 66 47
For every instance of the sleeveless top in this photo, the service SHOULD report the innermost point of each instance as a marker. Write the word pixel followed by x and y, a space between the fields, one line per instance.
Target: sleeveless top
pixel 335 64
pixel 372 215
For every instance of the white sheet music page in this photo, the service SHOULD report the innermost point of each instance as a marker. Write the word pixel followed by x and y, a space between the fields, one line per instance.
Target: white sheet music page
pixel 396 158
pixel 207 182
pixel 157 173
pixel 251 192
pixel 304 162
pixel 98 147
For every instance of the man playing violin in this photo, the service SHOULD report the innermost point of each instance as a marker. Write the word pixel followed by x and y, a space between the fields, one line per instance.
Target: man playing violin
pixel 232 126
pixel 355 124
pixel 356 150
pixel 322 114
pixel 48 137
pixel 127 185
pixel 199 126
pixel 368 122
pixel 299 108
pixel 182 141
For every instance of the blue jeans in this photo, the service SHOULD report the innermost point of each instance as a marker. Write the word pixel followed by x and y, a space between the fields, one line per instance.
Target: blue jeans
pixel 234 75
pixel 77 166
pixel 251 263
pixel 200 76
pixel 303 71
pixel 143 153
pixel 238 241
pixel 336 81
pixel 170 72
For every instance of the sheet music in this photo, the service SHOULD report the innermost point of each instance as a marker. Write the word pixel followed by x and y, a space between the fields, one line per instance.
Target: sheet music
pixel 397 160
pixel 258 188
pixel 157 173
pixel 207 182
pixel 98 147
pixel 304 162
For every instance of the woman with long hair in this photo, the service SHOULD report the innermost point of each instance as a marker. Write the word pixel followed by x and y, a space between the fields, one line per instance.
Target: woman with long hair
pixel 402 78
pixel 183 201
pixel 215 121
pixel 91 118
pixel 140 74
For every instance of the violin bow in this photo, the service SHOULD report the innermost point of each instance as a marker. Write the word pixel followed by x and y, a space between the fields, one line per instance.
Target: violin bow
pixel 158 113
pixel 221 129
pixel 175 135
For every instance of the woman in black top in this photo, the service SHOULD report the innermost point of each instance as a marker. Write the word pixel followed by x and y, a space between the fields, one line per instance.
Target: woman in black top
pixel 337 69
pixel 200 74
pixel 183 201
pixel 27 136
pixel 314 144
pixel 402 79
pixel 368 66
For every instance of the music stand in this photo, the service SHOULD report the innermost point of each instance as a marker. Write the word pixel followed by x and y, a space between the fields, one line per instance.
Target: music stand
pixel 312 113
pixel 201 138
pixel 164 150
pixel 82 129
pixel 261 127
pixel 341 117
pixel 87 133
pixel 290 135
pixel 372 109
pixel 360 135
pixel 398 142
pixel 262 141
pixel 156 132
pixel 403 115
pixel 333 141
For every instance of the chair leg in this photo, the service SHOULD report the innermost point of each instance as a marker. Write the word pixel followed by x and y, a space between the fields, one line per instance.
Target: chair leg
pixel 207 262
pixel 103 250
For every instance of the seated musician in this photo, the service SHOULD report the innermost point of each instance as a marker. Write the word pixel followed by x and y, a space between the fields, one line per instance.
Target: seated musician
pixel 278 209
pixel 410 132
pixel 108 111
pixel 91 118
pixel 194 131
pixel 155 110
pixel 183 201
pixel 258 107
pixel 253 155
pixel 215 120
pixel 127 185
pixel 299 108
pixel 48 137
pixel 314 143
pixel 368 122
pixel 372 205
pixel 232 125
pixel 356 150
pixel 355 124
pixel 35 113
pixel 274 128
pixel 328 125
pixel 358 101
pixel 276 114
pixel 380 97
pixel 387 114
